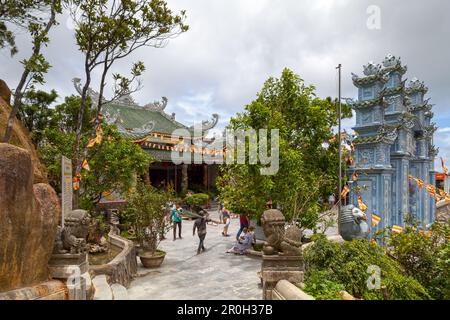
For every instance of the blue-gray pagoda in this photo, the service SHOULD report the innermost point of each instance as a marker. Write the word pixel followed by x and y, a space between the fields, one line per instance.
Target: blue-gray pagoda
pixel 394 141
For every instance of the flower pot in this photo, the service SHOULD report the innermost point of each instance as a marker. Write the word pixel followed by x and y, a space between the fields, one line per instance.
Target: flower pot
pixel 152 260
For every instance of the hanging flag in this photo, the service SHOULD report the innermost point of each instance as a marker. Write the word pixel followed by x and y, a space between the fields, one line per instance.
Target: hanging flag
pixel 361 204
pixel 442 195
pixel 91 143
pixel 333 139
pixel 375 220
pixel 419 182
pixel 345 191
pixel 76 182
pixel 431 189
pixel 444 167
pixel 98 134
pixel 397 229
pixel 426 233
pixel 85 165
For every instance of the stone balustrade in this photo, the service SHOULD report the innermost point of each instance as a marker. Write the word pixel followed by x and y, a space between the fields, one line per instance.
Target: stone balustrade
pixel 284 290
pixel 123 267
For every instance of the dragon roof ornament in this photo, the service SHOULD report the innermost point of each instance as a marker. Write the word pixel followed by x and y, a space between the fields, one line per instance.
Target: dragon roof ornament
pixel 415 85
pixel 371 68
pixel 209 124
pixel 94 95
pixel 125 99
pixel 433 150
pixel 393 63
pixel 157 105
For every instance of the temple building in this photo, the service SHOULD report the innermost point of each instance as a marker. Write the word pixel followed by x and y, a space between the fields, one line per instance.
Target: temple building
pixel 152 128
pixel 394 140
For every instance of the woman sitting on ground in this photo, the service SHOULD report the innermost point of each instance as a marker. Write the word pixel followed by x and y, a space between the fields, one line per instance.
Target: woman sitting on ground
pixel 245 241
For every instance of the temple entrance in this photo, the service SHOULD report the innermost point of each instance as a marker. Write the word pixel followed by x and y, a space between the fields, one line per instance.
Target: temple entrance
pixel 200 177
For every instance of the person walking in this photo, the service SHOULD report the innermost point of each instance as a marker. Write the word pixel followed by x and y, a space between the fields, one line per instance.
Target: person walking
pixel 331 200
pixel 220 212
pixel 243 221
pixel 200 226
pixel 226 220
pixel 177 219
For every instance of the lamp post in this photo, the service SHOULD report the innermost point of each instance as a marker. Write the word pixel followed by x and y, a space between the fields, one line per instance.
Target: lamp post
pixel 339 67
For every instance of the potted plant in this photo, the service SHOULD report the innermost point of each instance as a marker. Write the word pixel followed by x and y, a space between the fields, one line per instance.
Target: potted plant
pixel 146 214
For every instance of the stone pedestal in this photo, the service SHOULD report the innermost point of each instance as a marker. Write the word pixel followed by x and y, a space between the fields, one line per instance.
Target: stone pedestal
pixel 73 270
pixel 278 267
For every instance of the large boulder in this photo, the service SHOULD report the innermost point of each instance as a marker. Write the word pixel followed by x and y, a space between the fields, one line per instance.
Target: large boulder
pixel 29 215
pixel 20 135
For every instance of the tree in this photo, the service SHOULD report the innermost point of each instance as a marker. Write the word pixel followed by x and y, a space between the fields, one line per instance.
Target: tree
pixel 36 65
pixel 113 164
pixel 36 114
pixel 145 213
pixel 107 31
pixel 19 14
pixel 307 167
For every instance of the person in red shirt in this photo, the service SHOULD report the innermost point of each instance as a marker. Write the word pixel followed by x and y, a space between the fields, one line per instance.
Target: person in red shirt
pixel 244 224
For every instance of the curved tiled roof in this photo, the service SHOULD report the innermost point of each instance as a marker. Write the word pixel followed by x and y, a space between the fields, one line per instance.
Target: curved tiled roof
pixel 134 117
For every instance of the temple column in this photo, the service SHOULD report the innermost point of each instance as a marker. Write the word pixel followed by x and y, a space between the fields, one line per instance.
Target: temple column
pixel 205 176
pixel 184 178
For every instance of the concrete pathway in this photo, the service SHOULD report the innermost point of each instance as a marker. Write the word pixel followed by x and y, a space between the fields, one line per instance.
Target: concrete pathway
pixel 213 274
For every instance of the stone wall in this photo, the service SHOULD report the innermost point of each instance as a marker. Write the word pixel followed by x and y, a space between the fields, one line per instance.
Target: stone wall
pixel 29 214
pixel 50 290
pixel 123 267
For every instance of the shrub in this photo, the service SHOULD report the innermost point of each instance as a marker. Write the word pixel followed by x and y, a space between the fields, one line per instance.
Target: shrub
pixel 198 199
pixel 426 257
pixel 347 264
pixel 319 285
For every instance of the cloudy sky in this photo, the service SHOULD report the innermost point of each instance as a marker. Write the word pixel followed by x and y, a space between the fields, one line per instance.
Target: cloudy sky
pixel 232 46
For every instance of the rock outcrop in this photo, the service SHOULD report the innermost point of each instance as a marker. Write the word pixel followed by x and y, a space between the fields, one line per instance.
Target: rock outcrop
pixel 29 215
pixel 20 135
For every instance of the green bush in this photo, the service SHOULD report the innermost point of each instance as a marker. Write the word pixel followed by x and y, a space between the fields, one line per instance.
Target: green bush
pixel 347 264
pixel 320 287
pixel 198 199
pixel 426 257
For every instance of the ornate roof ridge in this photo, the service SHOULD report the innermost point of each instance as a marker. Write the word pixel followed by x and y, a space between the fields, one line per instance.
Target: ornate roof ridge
pixel 415 85
pixel 361 81
pixel 392 63
pixel 360 104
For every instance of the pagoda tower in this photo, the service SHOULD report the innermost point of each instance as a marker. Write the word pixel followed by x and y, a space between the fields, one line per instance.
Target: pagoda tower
pixel 394 139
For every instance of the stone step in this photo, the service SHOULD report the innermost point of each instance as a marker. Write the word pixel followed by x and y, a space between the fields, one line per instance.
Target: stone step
pixel 102 289
pixel 119 292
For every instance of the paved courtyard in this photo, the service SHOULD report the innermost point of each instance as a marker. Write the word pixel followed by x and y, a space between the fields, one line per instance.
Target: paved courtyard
pixel 213 274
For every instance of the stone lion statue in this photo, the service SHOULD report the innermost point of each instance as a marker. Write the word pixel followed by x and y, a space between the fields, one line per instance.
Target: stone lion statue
pixel 278 239
pixel 352 223
pixel 72 238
